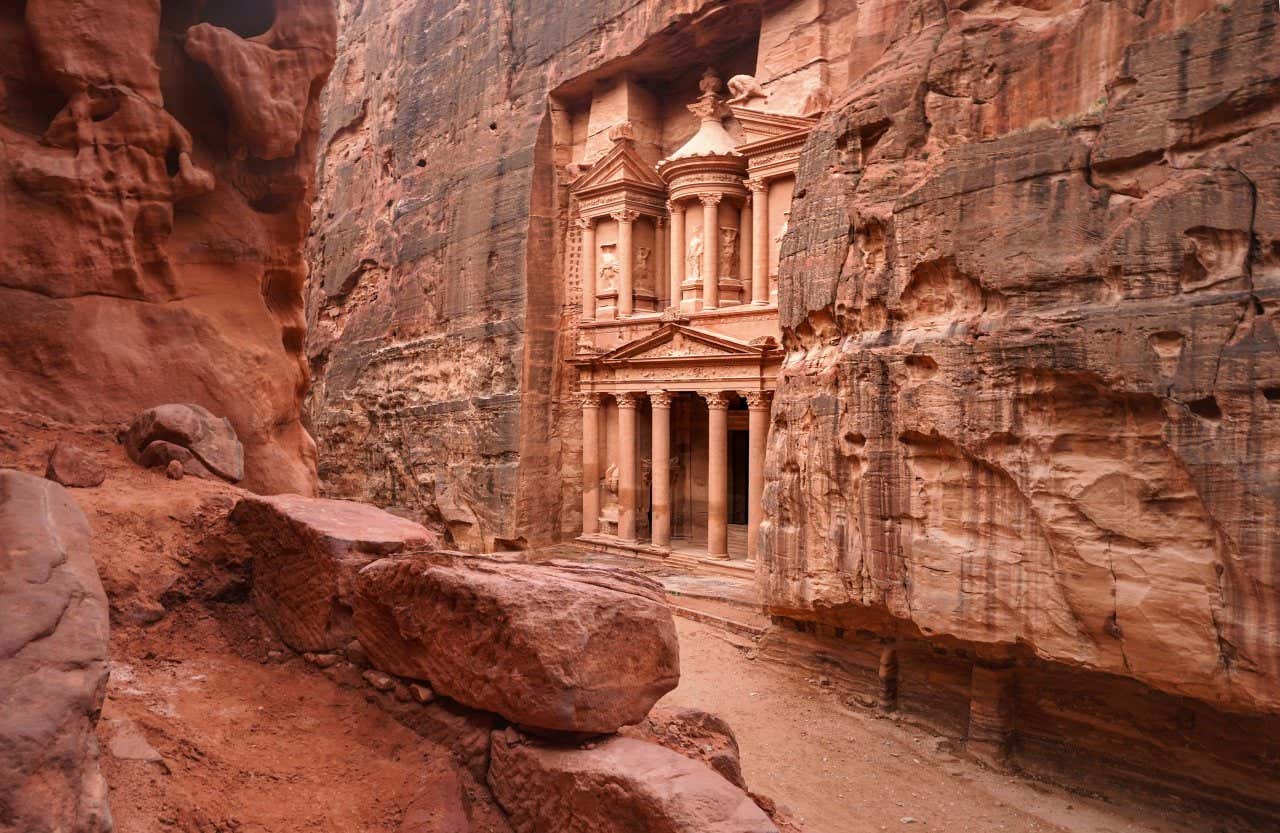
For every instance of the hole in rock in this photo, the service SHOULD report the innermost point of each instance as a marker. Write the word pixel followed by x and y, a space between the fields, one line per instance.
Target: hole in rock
pixel 1206 408
pixel 171 161
pixel 493 125
pixel 422 163
pixel 1272 394
pixel 247 18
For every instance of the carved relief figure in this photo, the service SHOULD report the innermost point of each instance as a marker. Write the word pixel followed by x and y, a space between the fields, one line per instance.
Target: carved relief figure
pixel 728 252
pixel 610 481
pixel 693 259
pixel 608 269
pixel 643 270
pixel 745 87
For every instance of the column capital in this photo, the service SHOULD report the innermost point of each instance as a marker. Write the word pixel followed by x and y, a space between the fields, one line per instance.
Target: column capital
pixel 660 398
pixel 629 399
pixel 755 185
pixel 716 401
pixel 746 201
pixel 659 222
pixel 589 399
pixel 625 216
pixel 758 400
pixel 674 207
pixel 584 222
pixel 710 199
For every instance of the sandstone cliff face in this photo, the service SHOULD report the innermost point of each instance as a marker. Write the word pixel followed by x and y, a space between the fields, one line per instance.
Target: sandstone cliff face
pixel 436 308
pixel 1032 393
pixel 156 162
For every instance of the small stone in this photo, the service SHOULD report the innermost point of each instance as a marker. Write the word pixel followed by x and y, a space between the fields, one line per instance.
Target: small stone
pixel 401 692
pixel 174 470
pixel 72 466
pixel 356 654
pixel 378 680
pixel 907 820
pixel 321 660
pixel 275 656
pixel 421 693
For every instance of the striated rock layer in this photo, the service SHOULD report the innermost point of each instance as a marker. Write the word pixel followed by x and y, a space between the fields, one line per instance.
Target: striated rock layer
pixel 156 162
pixel 1031 405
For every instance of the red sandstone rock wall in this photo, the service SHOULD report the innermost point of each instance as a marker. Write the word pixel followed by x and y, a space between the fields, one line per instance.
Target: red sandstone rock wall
pixel 436 306
pixel 156 161
pixel 1030 293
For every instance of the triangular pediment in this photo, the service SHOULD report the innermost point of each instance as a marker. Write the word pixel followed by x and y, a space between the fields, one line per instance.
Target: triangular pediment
pixel 621 166
pixel 757 126
pixel 674 341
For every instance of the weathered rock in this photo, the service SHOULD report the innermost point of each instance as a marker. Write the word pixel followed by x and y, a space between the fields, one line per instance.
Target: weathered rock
pixel 72 466
pixel 620 785
pixel 53 663
pixel 307 552
pixel 555 646
pixel 161 434
pixel 176 461
pixel 175 470
pixel 439 807
pixel 695 734
pixel 158 252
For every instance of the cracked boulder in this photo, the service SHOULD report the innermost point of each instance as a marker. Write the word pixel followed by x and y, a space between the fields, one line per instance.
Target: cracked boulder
pixel 53 663
pixel 204 444
pixel 558 647
pixel 307 552
pixel 618 785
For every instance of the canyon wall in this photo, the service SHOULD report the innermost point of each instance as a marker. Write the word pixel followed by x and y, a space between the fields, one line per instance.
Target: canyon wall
pixel 1031 400
pixel 156 164
pixel 438 319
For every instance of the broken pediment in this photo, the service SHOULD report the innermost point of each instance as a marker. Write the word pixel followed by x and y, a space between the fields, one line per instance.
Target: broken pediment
pixel 758 126
pixel 675 341
pixel 622 167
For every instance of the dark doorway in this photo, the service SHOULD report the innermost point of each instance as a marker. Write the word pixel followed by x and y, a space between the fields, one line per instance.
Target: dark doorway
pixel 738 452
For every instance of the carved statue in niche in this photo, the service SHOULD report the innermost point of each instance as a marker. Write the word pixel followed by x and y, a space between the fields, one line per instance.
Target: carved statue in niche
pixel 743 88
pixel 643 270
pixel 611 480
pixel 728 252
pixel 608 278
pixel 693 259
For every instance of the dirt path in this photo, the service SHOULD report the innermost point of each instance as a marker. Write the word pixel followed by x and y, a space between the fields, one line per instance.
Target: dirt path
pixel 844 771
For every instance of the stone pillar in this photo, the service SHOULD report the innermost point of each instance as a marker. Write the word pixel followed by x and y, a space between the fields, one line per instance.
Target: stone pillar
pixel 710 250
pixel 660 264
pixel 676 247
pixel 758 436
pixel 888 699
pixel 746 230
pixel 627 480
pixel 991 711
pixel 759 241
pixel 660 471
pixel 717 474
pixel 590 463
pixel 588 226
pixel 626 263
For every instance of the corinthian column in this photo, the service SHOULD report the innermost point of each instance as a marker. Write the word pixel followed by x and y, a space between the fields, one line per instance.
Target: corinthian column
pixel 745 232
pixel 660 256
pixel 660 418
pixel 710 250
pixel 758 428
pixel 590 463
pixel 676 246
pixel 626 263
pixel 717 474
pixel 759 241
pixel 588 226
pixel 627 482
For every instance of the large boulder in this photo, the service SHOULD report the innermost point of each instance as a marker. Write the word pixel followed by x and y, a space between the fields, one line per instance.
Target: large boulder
pixel 555 646
pixel 620 785
pixel 307 552
pixel 53 663
pixel 210 440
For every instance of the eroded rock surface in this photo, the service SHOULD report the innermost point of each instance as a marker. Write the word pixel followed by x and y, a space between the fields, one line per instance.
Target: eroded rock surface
pixel 53 662
pixel 619 785
pixel 307 552
pixel 1031 391
pixel 157 232
pixel 554 646
pixel 189 434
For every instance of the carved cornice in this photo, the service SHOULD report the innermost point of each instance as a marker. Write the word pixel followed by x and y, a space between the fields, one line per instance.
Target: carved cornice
pixel 758 400
pixel 716 401
pixel 660 398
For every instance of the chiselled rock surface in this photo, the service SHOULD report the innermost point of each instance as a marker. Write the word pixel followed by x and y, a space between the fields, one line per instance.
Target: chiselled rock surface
pixel 307 552
pixel 156 164
pixel 1032 394
pixel 619 785
pixel 161 434
pixel 554 646
pixel 53 662
pixel 693 733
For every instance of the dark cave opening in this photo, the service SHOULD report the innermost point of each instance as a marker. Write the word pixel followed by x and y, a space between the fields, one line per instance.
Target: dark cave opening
pixel 247 18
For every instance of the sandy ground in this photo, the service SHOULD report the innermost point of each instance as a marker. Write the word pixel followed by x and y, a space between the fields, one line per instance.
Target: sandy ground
pixel 846 771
